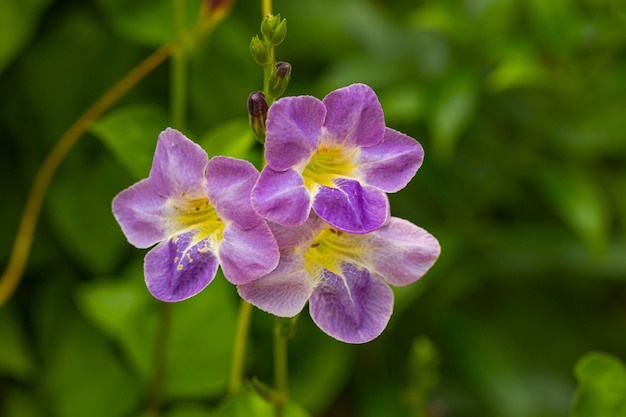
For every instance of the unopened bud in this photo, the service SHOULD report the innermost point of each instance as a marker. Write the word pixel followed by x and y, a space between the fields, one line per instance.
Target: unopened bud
pixel 280 79
pixel 257 112
pixel 259 51
pixel 274 29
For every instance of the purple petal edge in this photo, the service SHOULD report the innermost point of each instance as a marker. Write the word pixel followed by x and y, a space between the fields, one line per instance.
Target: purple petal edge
pixel 354 310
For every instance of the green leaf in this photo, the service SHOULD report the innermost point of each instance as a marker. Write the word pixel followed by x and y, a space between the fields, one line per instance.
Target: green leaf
pixel 199 336
pixel 83 375
pixel 233 138
pixel 21 402
pixel 18 21
pixel 518 67
pixel 451 113
pixel 581 205
pixel 16 358
pixel 79 208
pixel 131 134
pixel 601 388
pixel 148 22
pixel 249 403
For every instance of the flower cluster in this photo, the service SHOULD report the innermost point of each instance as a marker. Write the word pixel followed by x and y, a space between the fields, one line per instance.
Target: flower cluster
pixel 313 227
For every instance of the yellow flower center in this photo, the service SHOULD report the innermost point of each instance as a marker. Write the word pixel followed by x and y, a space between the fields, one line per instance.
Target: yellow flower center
pixel 327 164
pixel 329 249
pixel 198 215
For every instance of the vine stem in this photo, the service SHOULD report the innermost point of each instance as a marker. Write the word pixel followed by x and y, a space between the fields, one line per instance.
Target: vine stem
pixel 239 349
pixel 26 229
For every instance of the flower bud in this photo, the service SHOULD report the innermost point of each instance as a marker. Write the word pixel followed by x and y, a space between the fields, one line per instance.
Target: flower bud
pixel 257 112
pixel 274 29
pixel 280 79
pixel 259 51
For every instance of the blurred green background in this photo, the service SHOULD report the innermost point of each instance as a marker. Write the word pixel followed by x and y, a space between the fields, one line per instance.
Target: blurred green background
pixel 521 108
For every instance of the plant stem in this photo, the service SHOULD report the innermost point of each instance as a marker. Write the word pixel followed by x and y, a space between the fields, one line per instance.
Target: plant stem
pixel 239 349
pixel 281 335
pixel 178 91
pixel 267 8
pixel 160 350
pixel 178 80
pixel 24 237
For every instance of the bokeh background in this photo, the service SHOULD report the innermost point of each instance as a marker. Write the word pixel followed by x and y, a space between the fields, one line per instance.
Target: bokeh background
pixel 521 109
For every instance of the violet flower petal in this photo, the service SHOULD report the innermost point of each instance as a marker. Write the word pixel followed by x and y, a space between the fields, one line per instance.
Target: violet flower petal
pixel 351 207
pixel 140 213
pixel 390 164
pixel 354 116
pixel 355 309
pixel 281 197
pixel 401 252
pixel 178 166
pixel 246 255
pixel 284 291
pixel 229 186
pixel 292 237
pixel 177 269
pixel 294 131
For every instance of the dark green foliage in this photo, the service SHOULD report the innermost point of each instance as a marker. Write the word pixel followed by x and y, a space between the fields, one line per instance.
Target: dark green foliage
pixel 520 106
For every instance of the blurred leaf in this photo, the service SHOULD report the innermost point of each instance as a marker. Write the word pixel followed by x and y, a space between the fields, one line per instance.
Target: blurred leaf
pixel 83 375
pixel 601 386
pixel 201 341
pixel 452 112
pixel 200 333
pixel 316 381
pixel 233 138
pixel 517 67
pixel 249 403
pixel 148 22
pixel 581 205
pixel 402 103
pixel 188 410
pixel 20 402
pixel 79 207
pixel 16 359
pixel 18 22
pixel 123 309
pixel 131 134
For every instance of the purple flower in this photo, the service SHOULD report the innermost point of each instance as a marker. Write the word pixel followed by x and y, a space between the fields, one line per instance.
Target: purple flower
pixel 335 156
pixel 344 276
pixel 200 212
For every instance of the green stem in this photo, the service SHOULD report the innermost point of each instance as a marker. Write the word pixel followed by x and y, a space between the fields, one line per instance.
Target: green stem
pixel 178 80
pixel 158 368
pixel 178 91
pixel 281 382
pixel 24 237
pixel 239 349
pixel 267 8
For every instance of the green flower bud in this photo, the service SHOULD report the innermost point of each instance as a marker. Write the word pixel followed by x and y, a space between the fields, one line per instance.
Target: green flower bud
pixel 274 29
pixel 259 51
pixel 257 112
pixel 280 79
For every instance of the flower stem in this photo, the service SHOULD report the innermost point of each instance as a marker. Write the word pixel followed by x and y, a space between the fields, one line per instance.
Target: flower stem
pixel 282 332
pixel 158 360
pixel 239 350
pixel 24 237
pixel 267 8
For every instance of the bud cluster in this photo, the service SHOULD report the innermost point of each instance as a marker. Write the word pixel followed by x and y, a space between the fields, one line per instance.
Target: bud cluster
pixel 276 74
